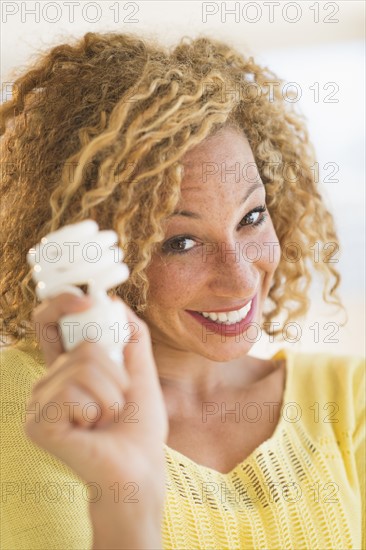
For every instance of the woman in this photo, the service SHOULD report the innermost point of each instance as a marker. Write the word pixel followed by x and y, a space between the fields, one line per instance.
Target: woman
pixel 208 184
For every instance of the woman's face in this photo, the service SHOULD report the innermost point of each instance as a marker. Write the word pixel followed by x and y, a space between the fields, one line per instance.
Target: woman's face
pixel 219 253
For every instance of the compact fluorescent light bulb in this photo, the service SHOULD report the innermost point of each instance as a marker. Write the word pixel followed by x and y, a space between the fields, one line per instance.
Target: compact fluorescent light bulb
pixel 79 254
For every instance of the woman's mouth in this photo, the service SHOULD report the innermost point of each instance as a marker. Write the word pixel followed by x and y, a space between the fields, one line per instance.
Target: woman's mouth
pixel 229 323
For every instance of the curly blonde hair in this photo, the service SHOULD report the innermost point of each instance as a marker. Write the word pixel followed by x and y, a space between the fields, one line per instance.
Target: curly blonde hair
pixel 96 129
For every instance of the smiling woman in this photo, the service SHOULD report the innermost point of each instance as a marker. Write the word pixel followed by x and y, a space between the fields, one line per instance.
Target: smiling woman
pixel 215 221
pixel 209 193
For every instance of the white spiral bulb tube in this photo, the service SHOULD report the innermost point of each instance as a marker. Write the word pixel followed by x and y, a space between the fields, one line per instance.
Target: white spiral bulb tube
pixel 78 254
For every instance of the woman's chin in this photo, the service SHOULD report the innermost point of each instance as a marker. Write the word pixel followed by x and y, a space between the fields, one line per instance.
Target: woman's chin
pixel 225 352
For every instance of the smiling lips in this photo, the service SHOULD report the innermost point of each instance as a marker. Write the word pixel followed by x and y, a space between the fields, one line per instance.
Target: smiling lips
pixel 229 317
pixel 227 323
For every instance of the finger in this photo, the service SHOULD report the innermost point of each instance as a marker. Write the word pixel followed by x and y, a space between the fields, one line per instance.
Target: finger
pixel 74 402
pixel 45 317
pixel 79 409
pixel 53 419
pixel 67 364
pixel 140 363
pixel 91 370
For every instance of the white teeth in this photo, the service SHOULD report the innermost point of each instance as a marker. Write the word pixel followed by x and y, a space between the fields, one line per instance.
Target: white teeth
pixel 233 316
pixel 230 317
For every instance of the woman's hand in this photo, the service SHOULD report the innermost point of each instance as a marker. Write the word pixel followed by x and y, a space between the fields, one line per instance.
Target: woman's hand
pixel 110 427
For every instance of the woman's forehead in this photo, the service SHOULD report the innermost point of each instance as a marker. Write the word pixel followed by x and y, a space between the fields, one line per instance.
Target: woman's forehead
pixel 230 164
pixel 218 157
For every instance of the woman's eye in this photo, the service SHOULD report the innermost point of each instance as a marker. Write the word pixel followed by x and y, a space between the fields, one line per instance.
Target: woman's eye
pixel 178 245
pixel 255 217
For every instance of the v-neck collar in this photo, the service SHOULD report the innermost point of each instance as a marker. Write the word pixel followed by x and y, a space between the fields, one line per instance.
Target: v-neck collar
pixel 283 353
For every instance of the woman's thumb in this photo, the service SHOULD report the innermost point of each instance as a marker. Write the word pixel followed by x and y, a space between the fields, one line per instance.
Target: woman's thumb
pixel 138 356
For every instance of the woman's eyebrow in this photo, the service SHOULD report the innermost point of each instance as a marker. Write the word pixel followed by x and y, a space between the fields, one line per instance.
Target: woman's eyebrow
pixel 189 214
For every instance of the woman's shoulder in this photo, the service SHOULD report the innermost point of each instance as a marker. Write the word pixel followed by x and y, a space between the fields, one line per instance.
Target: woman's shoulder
pixel 328 369
pixel 19 355
pixel 327 385
pixel 21 366
pixel 44 503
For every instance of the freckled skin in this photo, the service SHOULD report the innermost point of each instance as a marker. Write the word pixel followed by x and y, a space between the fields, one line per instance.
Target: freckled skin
pixel 201 281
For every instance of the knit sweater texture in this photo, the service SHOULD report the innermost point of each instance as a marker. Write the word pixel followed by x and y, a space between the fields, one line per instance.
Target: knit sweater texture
pixel 303 488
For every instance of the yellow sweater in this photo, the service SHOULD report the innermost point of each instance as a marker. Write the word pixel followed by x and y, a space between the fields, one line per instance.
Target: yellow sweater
pixel 303 488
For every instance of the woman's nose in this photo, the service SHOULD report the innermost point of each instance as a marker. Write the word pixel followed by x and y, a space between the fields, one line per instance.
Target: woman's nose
pixel 233 270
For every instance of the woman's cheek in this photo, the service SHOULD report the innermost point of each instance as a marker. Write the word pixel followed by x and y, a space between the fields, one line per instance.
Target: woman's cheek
pixel 172 282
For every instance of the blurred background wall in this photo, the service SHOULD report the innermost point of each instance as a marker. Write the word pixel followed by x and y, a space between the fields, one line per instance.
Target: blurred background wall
pixel 319 46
